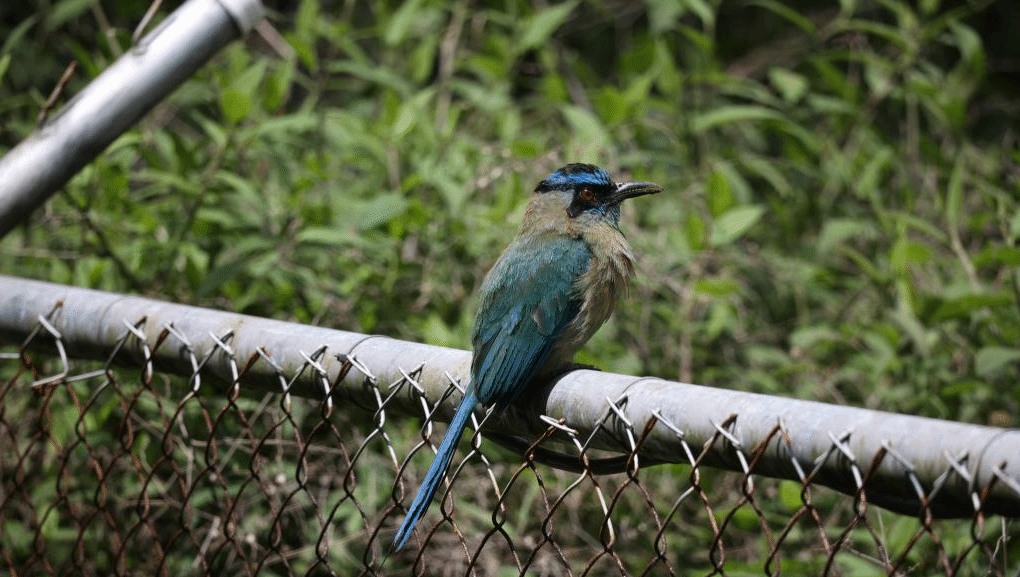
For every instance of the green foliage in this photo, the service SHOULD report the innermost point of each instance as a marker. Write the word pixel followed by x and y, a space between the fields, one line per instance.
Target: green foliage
pixel 841 223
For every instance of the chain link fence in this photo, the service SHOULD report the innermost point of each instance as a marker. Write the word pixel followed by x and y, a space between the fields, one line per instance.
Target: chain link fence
pixel 145 438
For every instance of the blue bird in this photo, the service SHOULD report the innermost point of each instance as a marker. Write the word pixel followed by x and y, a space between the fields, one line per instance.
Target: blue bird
pixel 546 296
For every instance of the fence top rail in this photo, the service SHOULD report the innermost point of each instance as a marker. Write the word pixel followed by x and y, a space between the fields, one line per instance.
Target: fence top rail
pixel 906 463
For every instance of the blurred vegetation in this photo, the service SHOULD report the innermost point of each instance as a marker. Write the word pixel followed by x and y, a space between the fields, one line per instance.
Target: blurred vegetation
pixel 841 223
pixel 842 216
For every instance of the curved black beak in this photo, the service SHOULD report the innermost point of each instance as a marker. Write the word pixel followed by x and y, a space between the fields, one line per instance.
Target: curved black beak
pixel 625 190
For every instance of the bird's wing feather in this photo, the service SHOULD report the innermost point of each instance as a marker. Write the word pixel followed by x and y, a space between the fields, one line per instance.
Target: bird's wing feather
pixel 526 301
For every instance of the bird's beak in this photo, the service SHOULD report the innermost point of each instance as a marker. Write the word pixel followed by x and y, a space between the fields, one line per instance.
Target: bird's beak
pixel 625 190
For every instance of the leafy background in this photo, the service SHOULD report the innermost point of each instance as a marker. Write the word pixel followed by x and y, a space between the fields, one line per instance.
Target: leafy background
pixel 842 214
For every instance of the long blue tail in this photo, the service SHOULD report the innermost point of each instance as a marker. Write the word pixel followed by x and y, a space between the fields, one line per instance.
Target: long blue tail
pixel 434 477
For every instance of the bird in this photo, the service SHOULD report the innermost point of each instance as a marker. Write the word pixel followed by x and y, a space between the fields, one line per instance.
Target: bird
pixel 551 289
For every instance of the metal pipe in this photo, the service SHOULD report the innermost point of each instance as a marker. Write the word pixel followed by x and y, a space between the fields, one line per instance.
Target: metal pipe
pixel 153 68
pixel 889 455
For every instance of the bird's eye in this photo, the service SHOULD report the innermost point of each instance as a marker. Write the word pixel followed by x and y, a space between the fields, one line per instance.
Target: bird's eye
pixel 587 195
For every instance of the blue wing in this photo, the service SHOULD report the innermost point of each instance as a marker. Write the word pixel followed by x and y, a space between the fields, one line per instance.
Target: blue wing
pixel 434 476
pixel 526 301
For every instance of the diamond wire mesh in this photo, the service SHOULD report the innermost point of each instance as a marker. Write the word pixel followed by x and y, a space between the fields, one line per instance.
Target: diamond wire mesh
pixel 110 469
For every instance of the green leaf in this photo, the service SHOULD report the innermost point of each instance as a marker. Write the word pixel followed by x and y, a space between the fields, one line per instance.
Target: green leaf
pixel 885 32
pixel 401 22
pixel 235 105
pixel 410 112
pixel 294 124
pixel 731 114
pixel 663 14
pixel 808 337
pixel 790 495
pixel 837 231
pixel 966 305
pixel 65 11
pixel 611 105
pixel 15 36
pixel 703 43
pixel 867 181
pixel 540 27
pixel 525 148
pixel 719 195
pixel 929 7
pixel 864 263
pixel 954 193
pixel 784 11
pixel 721 319
pixel 906 252
pixel 95 273
pixel 715 287
pixel 998 255
pixel 307 20
pixel 385 77
pixel 791 86
pixel 422 59
pixel 905 316
pixel 961 388
pixel 304 52
pixel 277 85
pixel 991 359
pixel 745 518
pixel 929 227
pixel 248 81
pixel 587 130
pixel 697 230
pixel 766 169
pixel 732 224
pixel 406 118
pixel 704 11
pixel 380 209
pixel 829 105
pixel 738 185
pixel 438 333
pixel 324 235
pixel 971 48
pixel 246 188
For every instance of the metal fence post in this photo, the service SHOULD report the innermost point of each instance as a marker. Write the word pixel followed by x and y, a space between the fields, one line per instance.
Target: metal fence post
pixel 41 164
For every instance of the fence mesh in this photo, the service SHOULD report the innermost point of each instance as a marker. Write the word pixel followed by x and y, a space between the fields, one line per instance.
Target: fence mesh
pixel 129 466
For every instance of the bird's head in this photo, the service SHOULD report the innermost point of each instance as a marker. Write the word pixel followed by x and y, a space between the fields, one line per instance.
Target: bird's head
pixel 592 192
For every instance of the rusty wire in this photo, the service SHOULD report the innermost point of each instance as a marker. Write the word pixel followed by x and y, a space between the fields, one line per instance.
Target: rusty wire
pixel 109 470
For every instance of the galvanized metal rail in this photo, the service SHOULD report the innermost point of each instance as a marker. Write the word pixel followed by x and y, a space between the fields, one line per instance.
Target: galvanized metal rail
pixel 153 68
pixel 909 464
